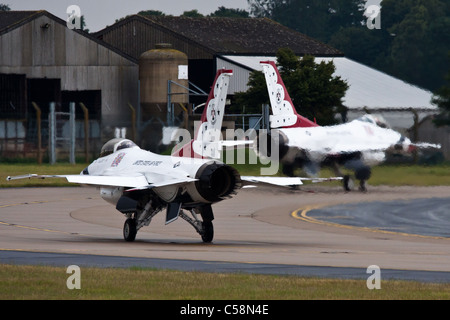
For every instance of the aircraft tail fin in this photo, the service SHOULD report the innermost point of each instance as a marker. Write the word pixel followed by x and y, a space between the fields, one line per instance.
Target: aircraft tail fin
pixel 207 140
pixel 284 114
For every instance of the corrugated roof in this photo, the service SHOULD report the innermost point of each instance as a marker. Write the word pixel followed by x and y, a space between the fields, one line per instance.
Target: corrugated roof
pixel 368 87
pixel 9 20
pixel 12 19
pixel 237 35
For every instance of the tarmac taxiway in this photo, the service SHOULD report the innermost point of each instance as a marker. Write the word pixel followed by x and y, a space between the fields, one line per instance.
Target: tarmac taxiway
pixel 313 231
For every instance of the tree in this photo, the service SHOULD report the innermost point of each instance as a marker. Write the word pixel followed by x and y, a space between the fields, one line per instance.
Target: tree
pixel 362 44
pixel 251 100
pixel 420 42
pixel 192 13
pixel 412 43
pixel 151 13
pixel 231 13
pixel 317 19
pixel 315 92
pixel 83 24
pixel 441 98
pixel 4 7
pixel 145 13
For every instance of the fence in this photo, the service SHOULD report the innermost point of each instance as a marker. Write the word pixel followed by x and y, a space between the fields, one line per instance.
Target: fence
pixel 40 135
pixel 35 136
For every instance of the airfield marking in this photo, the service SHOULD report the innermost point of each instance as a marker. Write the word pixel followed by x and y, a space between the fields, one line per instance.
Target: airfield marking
pixel 22 203
pixel 35 228
pixel 41 229
pixel 302 214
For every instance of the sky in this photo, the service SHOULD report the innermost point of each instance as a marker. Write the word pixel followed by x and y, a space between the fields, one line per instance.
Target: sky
pixel 100 13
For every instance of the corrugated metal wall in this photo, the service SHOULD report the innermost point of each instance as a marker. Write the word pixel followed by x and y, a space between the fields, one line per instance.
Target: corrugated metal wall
pixel 69 62
pixel 239 80
pixel 57 52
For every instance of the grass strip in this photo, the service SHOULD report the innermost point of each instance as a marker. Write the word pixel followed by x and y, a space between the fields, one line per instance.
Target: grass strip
pixel 19 282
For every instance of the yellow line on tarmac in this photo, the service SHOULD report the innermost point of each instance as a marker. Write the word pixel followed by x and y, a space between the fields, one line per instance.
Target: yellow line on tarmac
pixel 302 214
pixel 34 228
pixel 23 203
pixel 40 229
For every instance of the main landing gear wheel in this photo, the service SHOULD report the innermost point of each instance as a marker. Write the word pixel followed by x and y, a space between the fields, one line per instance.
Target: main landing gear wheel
pixel 129 230
pixel 208 231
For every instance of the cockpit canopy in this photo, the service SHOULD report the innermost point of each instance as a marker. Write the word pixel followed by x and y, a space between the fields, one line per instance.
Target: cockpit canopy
pixel 116 144
pixel 377 120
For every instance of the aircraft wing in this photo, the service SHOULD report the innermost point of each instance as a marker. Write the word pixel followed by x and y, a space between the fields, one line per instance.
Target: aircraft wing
pixel 135 182
pixel 115 181
pixel 316 180
pixel 235 143
pixel 279 181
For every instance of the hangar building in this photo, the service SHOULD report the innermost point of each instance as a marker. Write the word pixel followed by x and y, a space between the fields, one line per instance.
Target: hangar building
pixel 239 44
pixel 43 61
pixel 206 40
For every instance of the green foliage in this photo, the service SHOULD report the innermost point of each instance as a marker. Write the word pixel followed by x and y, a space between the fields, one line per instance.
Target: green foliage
pixel 318 19
pixel 412 43
pixel 315 92
pixel 231 13
pixel 251 100
pixel 192 13
pixel 418 42
pixel 49 283
pixel 151 13
pixel 4 7
pixel 442 99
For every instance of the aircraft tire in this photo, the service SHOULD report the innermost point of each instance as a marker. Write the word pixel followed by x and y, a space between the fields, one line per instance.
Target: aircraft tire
pixel 208 232
pixel 129 230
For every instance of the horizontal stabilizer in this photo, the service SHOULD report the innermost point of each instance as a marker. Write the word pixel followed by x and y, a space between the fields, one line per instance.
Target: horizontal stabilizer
pixel 425 145
pixel 316 180
pixel 285 181
pixel 279 181
pixel 235 143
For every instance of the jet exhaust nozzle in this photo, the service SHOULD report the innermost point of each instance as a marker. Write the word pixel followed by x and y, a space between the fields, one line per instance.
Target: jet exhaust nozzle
pixel 217 181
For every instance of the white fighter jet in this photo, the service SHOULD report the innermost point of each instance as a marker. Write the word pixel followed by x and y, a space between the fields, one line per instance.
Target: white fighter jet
pixel 356 145
pixel 141 183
